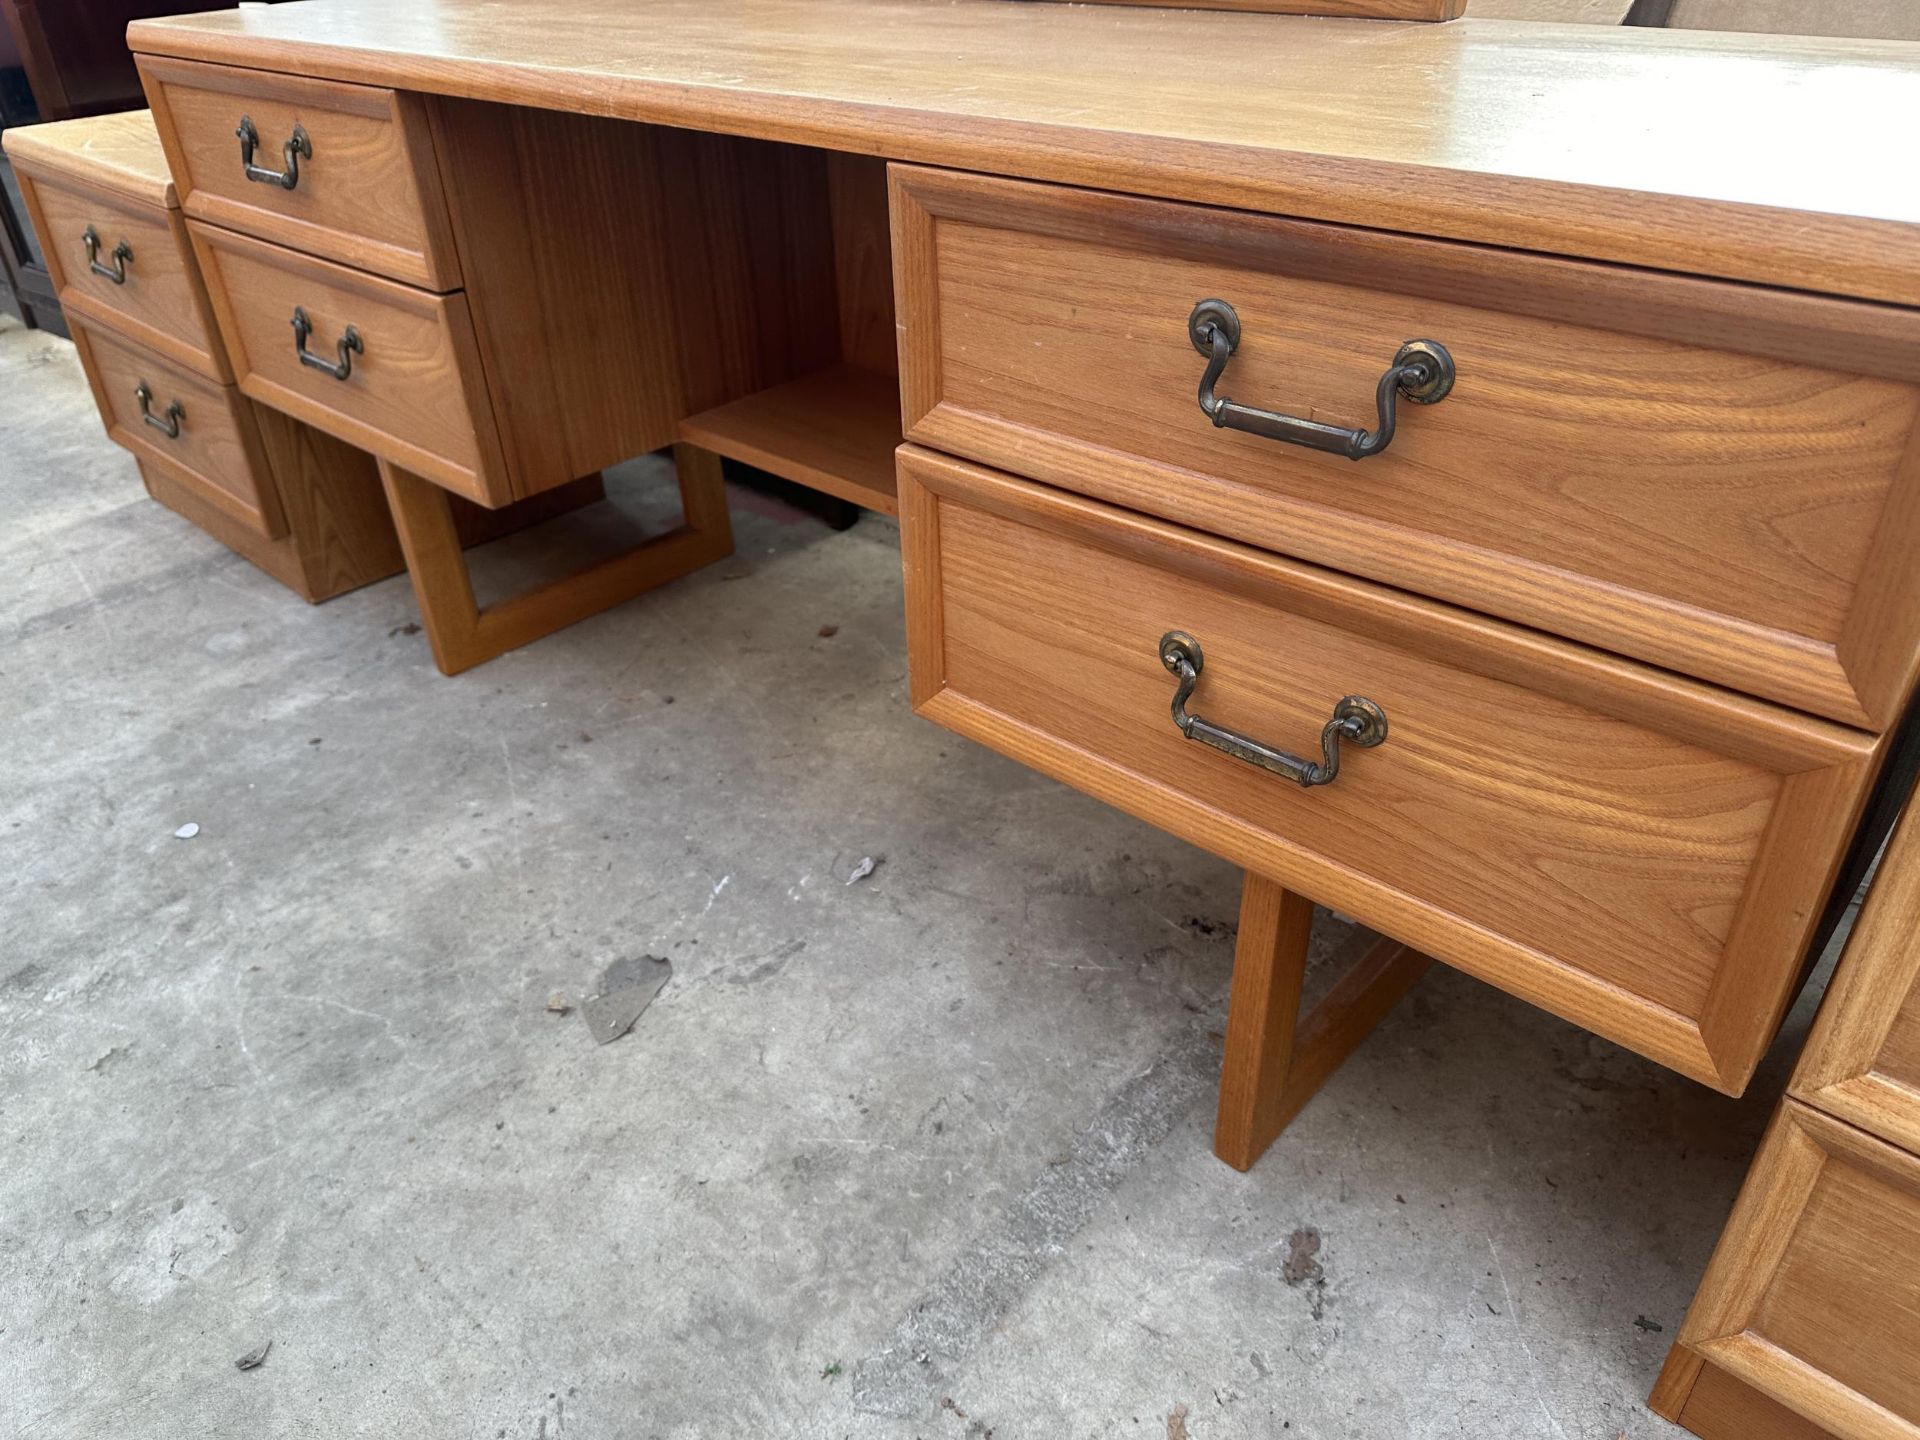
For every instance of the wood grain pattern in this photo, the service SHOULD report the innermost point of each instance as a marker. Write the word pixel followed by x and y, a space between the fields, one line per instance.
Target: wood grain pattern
pixel 1479 130
pixel 1641 462
pixel 1638 854
pixel 369 197
pixel 463 635
pixel 1813 1294
pixel 1553 12
pixel 752 256
pixel 1337 9
pixel 1720 1406
pixel 217 453
pixel 863 262
pixel 835 430
pixel 339 533
pixel 1277 1059
pixel 417 394
pixel 276 557
pixel 1862 1061
pixel 162 305
pixel 559 222
pixel 119 152
pixel 1269 968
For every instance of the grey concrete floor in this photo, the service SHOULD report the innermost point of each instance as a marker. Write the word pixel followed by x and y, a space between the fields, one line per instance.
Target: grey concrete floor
pixel 922 1155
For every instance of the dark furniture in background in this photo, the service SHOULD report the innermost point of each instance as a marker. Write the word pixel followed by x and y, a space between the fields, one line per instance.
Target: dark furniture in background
pixel 59 59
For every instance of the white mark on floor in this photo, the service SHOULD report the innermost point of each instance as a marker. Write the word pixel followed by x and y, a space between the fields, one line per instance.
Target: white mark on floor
pixel 1533 1365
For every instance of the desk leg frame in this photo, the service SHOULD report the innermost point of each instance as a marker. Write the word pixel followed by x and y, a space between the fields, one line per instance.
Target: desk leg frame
pixel 463 635
pixel 1277 1058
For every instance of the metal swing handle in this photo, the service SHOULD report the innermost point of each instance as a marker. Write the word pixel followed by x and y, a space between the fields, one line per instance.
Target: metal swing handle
pixel 122 256
pixel 297 148
pixel 1422 371
pixel 346 347
pixel 1356 720
pixel 168 421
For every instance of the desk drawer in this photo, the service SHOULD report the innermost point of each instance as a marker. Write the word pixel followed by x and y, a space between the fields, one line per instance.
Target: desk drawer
pixel 363 187
pixel 209 443
pixel 1813 1295
pixel 1717 479
pixel 1641 854
pixel 413 391
pixel 127 265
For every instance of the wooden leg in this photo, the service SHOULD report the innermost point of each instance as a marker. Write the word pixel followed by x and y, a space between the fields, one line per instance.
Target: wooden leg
pixel 463 635
pixel 1275 1059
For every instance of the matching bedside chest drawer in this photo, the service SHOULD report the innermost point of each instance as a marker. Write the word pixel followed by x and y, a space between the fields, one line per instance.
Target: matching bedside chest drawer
pixel 388 368
pixel 1717 479
pixel 200 433
pixel 1862 1061
pixel 343 171
pixel 129 265
pixel 1813 1296
pixel 1643 855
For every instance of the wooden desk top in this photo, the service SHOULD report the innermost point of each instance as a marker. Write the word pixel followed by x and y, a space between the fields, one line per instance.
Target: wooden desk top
pixel 1785 161
pixel 120 151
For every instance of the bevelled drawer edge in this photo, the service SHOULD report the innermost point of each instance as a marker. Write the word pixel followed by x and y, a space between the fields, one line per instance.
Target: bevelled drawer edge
pixel 1825 767
pixel 1861 676
pixel 434 264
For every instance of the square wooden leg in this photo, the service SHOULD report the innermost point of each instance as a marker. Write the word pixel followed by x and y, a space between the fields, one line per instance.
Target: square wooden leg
pixel 463 635
pixel 1276 1059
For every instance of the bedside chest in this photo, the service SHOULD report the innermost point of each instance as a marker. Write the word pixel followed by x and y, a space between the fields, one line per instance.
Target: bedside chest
pixel 303 506
pixel 1808 1321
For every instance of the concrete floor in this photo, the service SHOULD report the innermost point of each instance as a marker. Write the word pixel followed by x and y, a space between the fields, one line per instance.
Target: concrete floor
pixel 922 1155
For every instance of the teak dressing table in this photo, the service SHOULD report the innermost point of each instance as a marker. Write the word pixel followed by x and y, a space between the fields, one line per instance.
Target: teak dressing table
pixel 1496 442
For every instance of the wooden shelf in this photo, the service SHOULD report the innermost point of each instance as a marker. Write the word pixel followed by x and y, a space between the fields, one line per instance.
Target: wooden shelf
pixel 834 430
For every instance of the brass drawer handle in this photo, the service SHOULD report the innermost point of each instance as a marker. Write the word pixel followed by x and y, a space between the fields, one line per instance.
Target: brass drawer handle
pixel 1422 371
pixel 122 257
pixel 1356 720
pixel 346 348
pixel 168 424
pixel 297 148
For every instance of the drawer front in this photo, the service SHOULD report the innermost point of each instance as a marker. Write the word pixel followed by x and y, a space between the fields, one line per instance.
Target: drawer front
pixel 208 443
pixel 413 392
pixel 127 265
pixel 366 189
pixel 1813 1295
pixel 1720 480
pixel 1862 1061
pixel 1640 854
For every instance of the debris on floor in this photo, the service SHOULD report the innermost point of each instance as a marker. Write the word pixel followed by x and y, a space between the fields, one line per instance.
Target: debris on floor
pixel 253 1359
pixel 186 831
pixel 1177 1423
pixel 868 864
pixel 1301 1267
pixel 559 1004
pixel 111 1056
pixel 625 990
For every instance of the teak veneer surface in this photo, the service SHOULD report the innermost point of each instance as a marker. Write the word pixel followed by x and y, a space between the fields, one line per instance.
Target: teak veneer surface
pixel 160 302
pixel 120 151
pixel 1813 1296
pixel 1642 855
pixel 1747 158
pixel 1862 1061
pixel 1697 474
